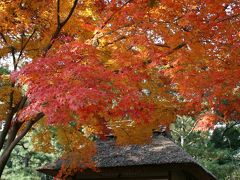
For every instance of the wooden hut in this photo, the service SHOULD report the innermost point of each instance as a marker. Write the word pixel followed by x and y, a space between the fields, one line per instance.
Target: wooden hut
pixel 162 159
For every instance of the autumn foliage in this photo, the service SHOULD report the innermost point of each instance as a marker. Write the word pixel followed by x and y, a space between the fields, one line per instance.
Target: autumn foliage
pixel 121 67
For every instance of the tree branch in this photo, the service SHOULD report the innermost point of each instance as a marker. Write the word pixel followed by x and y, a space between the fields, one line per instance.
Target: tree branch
pixel 59 25
pixel 6 154
pixel 6 128
pixel 20 104
pixel 193 127
pixel 228 18
pixel 163 45
pixel 116 40
pixel 24 46
pixel 70 13
pixel 13 132
pixel 58 12
pixel 8 120
pixel 11 48
pixel 114 13
pixel 180 46
pixel 4 39
pixel 229 127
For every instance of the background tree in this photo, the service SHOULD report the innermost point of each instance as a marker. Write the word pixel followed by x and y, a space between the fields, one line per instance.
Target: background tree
pixel 182 128
pixel 24 161
pixel 116 66
pixel 216 149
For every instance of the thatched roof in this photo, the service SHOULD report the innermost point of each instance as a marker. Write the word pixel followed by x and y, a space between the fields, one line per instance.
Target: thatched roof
pixel 161 152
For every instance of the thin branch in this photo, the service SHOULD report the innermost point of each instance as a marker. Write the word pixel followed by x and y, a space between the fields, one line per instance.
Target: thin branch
pixel 11 48
pixel 125 131
pixel 4 39
pixel 116 40
pixel 70 13
pixel 191 130
pixel 14 57
pixel 22 37
pixel 180 46
pixel 114 13
pixel 176 132
pixel 119 28
pixel 229 127
pixel 24 46
pixel 162 45
pixel 22 145
pixel 228 18
pixel 193 127
pixel 58 12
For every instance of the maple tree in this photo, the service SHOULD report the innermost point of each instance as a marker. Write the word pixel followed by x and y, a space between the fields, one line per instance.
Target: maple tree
pixel 121 67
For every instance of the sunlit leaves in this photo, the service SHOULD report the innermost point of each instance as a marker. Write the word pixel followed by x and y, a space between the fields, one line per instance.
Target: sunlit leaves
pixel 95 88
pixel 132 59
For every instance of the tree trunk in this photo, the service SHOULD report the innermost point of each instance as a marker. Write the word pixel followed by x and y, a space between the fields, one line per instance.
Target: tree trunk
pixel 182 140
pixel 7 152
pixel 4 159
